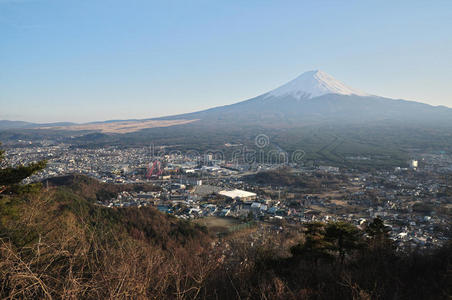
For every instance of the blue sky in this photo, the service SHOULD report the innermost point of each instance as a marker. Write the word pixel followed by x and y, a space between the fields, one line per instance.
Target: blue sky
pixel 89 60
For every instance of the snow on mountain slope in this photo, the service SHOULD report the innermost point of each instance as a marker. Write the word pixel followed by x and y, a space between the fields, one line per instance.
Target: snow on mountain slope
pixel 313 84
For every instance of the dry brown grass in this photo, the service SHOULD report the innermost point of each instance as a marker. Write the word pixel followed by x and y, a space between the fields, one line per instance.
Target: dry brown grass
pixel 123 126
pixel 69 258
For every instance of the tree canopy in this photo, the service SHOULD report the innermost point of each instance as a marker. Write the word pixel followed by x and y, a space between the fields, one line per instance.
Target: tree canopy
pixel 325 241
pixel 11 177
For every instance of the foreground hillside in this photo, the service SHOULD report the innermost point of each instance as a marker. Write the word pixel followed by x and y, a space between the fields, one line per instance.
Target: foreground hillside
pixel 57 243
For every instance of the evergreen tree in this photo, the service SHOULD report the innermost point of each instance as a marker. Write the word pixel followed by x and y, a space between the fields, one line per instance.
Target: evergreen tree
pixel 378 234
pixel 11 177
pixel 314 247
pixel 344 238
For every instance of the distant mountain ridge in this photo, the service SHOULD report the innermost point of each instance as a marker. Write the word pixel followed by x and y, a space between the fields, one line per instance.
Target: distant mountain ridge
pixel 311 98
pixel 316 97
pixel 7 124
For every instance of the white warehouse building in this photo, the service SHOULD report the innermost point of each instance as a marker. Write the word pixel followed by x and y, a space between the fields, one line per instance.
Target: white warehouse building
pixel 239 195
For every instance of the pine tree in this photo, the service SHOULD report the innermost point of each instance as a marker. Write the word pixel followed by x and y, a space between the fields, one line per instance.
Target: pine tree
pixel 379 234
pixel 11 177
pixel 314 247
pixel 344 238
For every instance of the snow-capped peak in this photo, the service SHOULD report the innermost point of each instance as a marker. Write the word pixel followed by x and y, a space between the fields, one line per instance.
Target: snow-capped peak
pixel 313 84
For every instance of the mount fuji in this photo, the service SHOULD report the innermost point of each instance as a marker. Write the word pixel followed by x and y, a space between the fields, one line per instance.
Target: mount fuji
pixel 312 98
pixel 316 97
pixel 313 84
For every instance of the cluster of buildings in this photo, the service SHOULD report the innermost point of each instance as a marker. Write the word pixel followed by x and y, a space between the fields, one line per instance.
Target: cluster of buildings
pixel 415 201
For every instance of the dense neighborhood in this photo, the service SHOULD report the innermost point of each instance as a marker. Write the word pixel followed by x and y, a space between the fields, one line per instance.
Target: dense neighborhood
pixel 414 200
